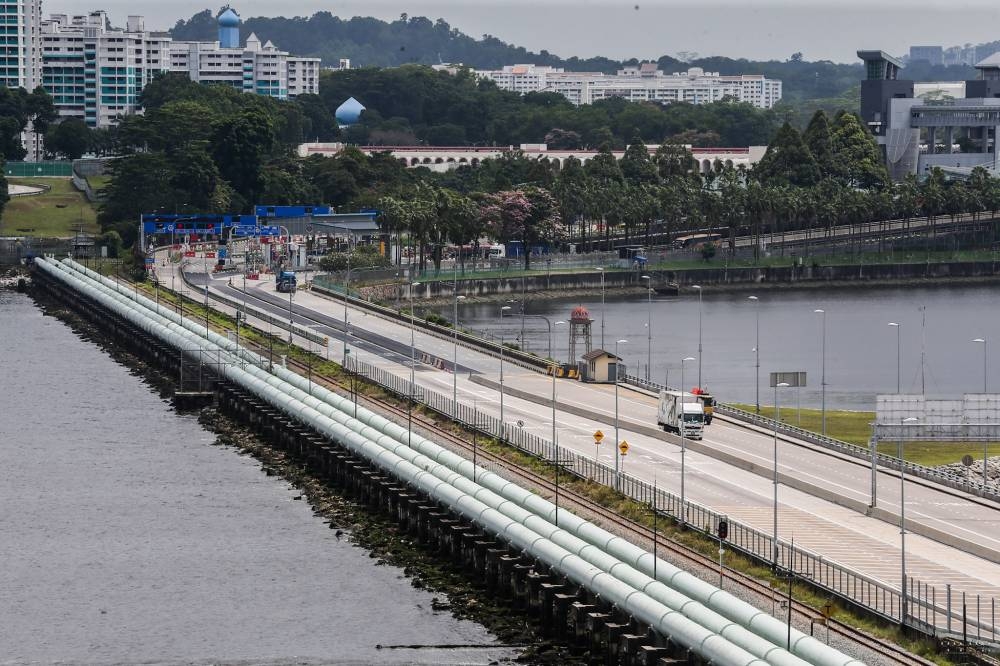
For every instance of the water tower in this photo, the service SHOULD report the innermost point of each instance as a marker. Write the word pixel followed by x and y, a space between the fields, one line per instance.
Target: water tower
pixel 579 331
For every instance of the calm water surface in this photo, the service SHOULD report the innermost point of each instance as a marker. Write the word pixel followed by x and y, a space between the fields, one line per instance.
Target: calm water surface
pixel 126 537
pixel 860 346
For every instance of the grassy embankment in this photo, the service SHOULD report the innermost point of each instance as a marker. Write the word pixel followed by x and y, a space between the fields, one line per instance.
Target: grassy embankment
pixel 57 213
pixel 855 428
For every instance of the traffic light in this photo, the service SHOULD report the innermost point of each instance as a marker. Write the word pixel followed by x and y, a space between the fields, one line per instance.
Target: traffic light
pixel 723 530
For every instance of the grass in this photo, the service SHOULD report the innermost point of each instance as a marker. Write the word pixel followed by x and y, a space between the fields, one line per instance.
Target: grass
pixel 98 183
pixel 57 213
pixel 847 426
pixel 855 428
pixel 605 496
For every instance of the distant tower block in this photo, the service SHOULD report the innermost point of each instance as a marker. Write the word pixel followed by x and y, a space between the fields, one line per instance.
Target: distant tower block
pixel 579 331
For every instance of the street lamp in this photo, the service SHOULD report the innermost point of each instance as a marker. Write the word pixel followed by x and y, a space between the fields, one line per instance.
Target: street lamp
pixel 756 349
pixel 683 440
pixel 556 454
pixel 822 381
pixel 617 440
pixel 983 341
pixel 601 270
pixel 649 326
pixel 897 327
pixel 413 362
pixel 902 523
pixel 454 364
pixel 777 419
pixel 698 287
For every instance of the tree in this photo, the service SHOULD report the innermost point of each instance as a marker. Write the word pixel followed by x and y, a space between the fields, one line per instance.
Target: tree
pixel 787 161
pixel 530 215
pixel 819 141
pixel 636 166
pixel 856 154
pixel 674 159
pixel 70 138
pixel 4 197
pixel 241 146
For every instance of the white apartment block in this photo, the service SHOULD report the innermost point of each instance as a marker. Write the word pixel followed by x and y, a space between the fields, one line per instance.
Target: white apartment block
pixel 644 83
pixel 96 73
pixel 20 56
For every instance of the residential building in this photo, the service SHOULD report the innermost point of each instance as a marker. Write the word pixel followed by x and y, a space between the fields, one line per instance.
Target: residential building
pixel 931 54
pixel 20 58
pixel 96 72
pixel 643 83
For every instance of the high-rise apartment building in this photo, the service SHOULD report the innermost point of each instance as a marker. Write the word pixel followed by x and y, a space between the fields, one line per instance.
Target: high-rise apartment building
pixel 20 56
pixel 96 72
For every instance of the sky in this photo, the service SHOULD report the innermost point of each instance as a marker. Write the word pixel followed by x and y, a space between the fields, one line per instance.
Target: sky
pixel 820 29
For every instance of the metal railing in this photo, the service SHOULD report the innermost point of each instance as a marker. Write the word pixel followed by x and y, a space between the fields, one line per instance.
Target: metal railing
pixel 947 478
pixel 928 611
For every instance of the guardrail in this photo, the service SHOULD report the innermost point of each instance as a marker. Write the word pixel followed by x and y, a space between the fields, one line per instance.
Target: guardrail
pixel 251 311
pixel 928 612
pixel 945 478
pixel 513 356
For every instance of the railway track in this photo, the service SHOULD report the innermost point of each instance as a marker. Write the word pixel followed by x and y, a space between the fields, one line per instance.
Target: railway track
pixel 569 498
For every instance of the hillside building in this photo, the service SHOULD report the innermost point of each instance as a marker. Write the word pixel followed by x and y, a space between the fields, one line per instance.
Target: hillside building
pixel 643 83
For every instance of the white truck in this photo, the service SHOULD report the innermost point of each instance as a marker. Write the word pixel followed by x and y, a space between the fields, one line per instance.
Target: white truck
pixel 681 412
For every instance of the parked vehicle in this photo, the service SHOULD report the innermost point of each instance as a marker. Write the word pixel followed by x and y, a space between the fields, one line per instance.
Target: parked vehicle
pixel 285 282
pixel 681 412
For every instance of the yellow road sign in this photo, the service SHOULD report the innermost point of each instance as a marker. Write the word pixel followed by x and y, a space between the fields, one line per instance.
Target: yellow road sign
pixel 623 447
pixel 598 436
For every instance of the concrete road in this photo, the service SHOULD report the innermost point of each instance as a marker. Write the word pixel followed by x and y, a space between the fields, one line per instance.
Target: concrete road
pixel 825 512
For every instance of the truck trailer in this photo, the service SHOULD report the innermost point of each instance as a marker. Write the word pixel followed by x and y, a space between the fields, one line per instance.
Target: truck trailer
pixel 682 413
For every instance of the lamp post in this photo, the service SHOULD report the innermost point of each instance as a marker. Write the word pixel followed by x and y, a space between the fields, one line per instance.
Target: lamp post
pixel 822 381
pixel 983 341
pixel 617 440
pixel 556 449
pixel 897 327
pixel 777 418
pixel 413 362
pixel 454 362
pixel 903 601
pixel 649 326
pixel 756 350
pixel 601 270
pixel 683 442
pixel 698 287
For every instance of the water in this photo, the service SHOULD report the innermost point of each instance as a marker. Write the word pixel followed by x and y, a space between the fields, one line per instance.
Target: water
pixel 127 537
pixel 860 346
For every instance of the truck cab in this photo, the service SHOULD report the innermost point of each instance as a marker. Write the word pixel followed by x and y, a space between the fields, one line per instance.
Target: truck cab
pixel 285 282
pixel 707 403
pixel 682 413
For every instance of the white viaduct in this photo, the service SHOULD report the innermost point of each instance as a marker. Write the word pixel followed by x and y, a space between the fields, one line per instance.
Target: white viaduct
pixel 448 157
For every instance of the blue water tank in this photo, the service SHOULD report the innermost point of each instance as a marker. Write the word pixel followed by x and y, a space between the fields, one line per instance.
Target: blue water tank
pixel 229 29
pixel 349 112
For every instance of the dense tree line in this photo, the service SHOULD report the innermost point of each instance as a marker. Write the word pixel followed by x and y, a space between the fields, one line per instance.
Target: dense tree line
pixel 371 42
pixel 411 104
